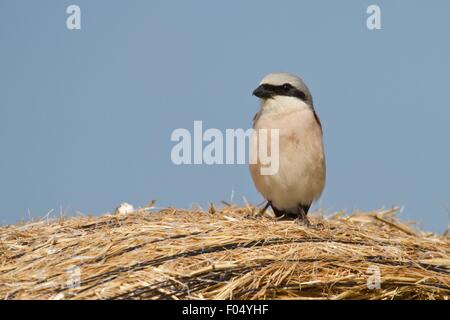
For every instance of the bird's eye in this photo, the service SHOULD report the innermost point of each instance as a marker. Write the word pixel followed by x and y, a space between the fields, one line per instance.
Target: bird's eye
pixel 287 86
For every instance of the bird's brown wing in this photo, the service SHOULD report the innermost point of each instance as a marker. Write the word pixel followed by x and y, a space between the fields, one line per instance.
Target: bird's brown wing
pixel 256 117
pixel 318 120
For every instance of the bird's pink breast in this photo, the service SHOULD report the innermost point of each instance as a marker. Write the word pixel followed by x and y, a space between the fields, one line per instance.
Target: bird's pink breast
pixel 301 174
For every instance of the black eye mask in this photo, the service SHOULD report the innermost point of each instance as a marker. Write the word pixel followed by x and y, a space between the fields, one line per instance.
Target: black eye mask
pixel 269 90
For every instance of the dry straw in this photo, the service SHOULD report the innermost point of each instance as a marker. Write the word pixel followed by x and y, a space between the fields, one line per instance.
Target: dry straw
pixel 225 253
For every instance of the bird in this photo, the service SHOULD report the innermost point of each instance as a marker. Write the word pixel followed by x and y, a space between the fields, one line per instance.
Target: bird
pixel 286 104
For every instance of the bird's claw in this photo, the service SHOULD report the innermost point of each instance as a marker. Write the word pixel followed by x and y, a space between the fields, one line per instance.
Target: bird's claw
pixel 305 223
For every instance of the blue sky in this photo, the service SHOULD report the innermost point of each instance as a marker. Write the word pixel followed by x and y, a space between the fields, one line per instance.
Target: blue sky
pixel 86 115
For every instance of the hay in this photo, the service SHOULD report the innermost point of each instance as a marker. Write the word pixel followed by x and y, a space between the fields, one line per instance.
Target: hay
pixel 226 254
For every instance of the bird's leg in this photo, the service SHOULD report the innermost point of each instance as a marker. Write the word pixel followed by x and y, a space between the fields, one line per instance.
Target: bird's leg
pixel 263 210
pixel 302 219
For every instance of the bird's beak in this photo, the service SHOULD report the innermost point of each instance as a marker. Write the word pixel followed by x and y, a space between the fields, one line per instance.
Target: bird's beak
pixel 262 92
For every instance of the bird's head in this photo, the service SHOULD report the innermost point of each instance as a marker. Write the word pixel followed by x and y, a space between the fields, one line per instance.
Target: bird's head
pixel 283 86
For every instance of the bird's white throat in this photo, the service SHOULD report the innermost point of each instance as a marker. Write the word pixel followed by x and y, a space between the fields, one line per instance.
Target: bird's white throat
pixel 282 104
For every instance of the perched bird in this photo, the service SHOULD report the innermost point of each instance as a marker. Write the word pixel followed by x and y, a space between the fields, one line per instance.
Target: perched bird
pixel 287 105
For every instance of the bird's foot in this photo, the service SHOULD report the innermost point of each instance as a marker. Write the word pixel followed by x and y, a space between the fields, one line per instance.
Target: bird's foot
pixel 255 214
pixel 263 210
pixel 260 213
pixel 304 222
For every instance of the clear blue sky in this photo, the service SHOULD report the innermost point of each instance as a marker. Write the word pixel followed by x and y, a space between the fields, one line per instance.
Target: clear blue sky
pixel 86 115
